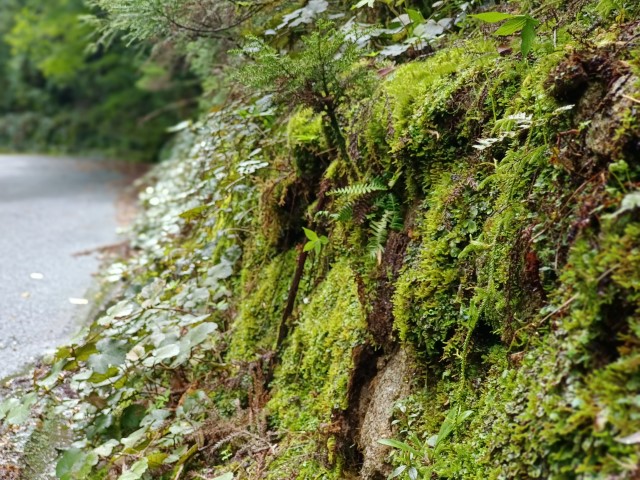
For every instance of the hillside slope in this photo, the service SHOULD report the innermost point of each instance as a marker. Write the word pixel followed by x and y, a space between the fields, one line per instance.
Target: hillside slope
pixel 447 260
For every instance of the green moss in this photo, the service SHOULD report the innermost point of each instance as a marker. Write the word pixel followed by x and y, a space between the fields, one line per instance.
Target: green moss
pixel 307 142
pixel 255 329
pixel 312 381
pixel 574 395
pixel 519 296
pixel 463 268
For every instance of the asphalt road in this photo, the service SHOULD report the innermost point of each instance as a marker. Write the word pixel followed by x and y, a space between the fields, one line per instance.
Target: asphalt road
pixel 50 208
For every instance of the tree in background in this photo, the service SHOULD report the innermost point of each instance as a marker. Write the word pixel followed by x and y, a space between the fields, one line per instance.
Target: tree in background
pixel 63 91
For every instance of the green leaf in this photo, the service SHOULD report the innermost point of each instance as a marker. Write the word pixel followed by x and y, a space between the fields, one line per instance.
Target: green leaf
pixel 309 246
pixel 415 16
pixel 69 463
pixel 85 351
pixel 362 3
pixel 492 17
pixel 511 26
pixel 131 418
pixel 310 234
pixel 136 471
pixel 464 415
pixel 156 459
pixel 390 442
pixel 97 377
pixel 194 212
pixel 75 464
pixel 63 353
pixel 528 35
pixel 224 476
pixel 54 375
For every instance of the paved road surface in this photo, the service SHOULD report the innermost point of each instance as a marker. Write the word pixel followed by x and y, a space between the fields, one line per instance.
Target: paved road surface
pixel 50 208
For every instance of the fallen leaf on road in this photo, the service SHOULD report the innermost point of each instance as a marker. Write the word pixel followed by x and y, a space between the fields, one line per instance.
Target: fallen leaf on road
pixel 25 294
pixel 37 276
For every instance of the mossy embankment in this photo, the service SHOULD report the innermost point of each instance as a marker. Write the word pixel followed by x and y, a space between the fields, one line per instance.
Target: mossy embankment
pixel 478 298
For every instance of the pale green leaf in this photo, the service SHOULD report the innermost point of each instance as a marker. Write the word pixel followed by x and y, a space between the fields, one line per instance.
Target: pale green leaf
pixel 224 476
pixel 511 26
pixel 398 471
pixel 161 354
pixel 135 438
pixel 20 409
pixel 106 448
pixel 200 333
pixel 362 3
pixel 630 202
pixel 492 17
pixel 112 353
pixel 136 471
pixel 390 442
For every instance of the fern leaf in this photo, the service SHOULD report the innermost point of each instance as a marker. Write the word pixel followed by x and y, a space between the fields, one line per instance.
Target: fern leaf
pixel 379 233
pixel 359 189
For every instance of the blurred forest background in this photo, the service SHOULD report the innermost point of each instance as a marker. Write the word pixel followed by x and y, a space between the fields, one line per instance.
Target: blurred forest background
pixel 110 77
pixel 63 90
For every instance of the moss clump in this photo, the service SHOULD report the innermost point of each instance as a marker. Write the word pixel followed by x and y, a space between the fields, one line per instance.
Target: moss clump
pixel 572 400
pixel 423 114
pixel 260 311
pixel 307 143
pixel 312 381
pixel 460 271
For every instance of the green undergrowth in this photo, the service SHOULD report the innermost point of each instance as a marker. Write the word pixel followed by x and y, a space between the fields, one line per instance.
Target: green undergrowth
pixel 312 382
pixel 482 216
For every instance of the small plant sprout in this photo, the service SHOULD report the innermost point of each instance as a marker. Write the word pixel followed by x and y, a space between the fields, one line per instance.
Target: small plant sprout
pixel 524 24
pixel 315 242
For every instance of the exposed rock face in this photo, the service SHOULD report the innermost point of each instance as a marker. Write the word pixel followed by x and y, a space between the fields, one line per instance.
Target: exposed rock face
pixel 602 90
pixel 390 384
pixel 603 137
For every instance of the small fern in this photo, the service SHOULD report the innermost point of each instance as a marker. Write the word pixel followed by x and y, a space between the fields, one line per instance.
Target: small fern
pixel 359 189
pixel 390 219
pixel 349 195
pixel 384 211
pixel 345 213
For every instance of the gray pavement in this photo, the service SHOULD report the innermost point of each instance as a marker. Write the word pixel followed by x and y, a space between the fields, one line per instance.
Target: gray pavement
pixel 50 208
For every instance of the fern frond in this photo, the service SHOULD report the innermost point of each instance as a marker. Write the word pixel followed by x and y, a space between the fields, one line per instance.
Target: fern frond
pixel 345 213
pixel 396 222
pixel 379 234
pixel 359 189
